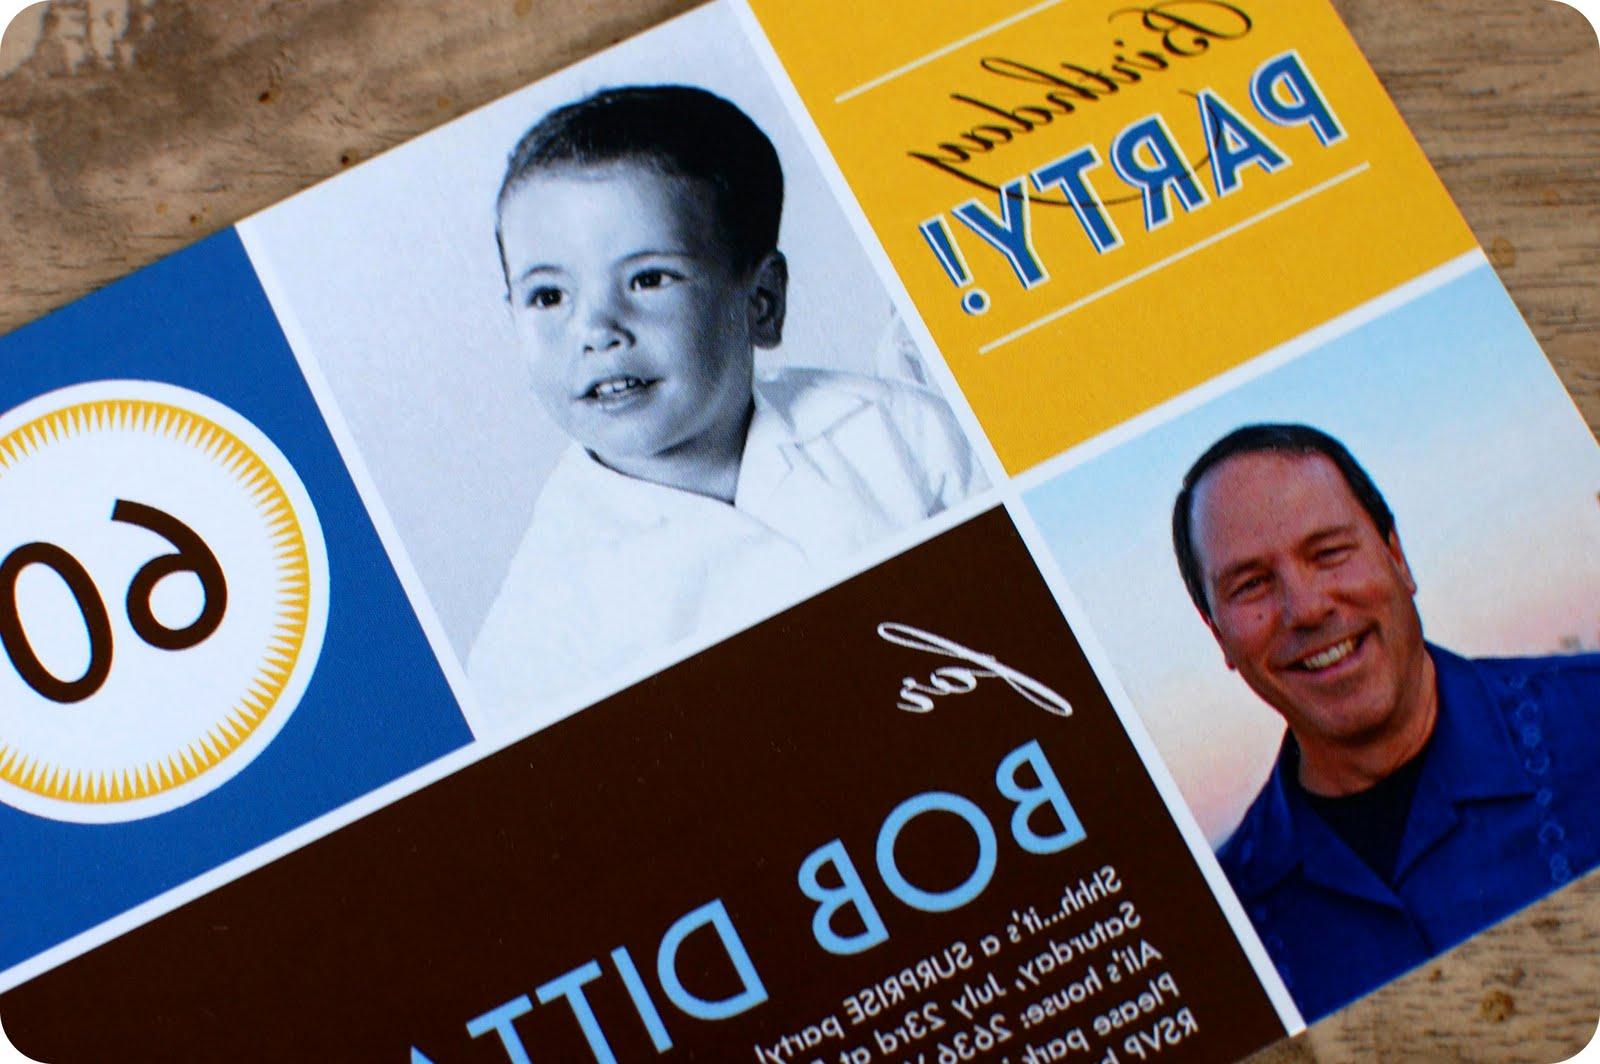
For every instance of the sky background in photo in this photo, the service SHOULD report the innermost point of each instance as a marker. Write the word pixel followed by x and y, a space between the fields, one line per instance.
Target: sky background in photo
pixel 1493 478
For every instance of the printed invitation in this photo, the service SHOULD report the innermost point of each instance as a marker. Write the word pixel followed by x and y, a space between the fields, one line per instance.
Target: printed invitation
pixel 1037 537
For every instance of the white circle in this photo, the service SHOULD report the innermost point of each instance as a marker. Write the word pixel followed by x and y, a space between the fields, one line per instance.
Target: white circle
pixel 163 725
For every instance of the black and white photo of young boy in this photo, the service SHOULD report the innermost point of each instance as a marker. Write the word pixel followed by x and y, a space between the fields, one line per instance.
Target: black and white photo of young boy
pixel 639 236
pixel 686 400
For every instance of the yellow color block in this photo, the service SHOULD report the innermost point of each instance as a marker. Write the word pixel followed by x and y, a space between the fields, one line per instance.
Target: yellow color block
pixel 932 105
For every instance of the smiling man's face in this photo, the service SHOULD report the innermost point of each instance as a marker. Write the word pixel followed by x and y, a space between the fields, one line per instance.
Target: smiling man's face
pixel 1309 603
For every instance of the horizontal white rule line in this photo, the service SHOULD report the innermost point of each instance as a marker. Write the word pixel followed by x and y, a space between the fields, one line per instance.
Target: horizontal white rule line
pixel 939 53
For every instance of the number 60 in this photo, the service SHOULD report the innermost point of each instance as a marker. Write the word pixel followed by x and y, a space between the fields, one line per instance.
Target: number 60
pixel 192 556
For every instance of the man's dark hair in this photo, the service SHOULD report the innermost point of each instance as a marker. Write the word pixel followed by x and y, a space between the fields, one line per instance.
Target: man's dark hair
pixel 679 131
pixel 1255 439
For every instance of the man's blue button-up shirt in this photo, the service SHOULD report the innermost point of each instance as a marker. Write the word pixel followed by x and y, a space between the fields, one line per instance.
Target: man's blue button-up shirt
pixel 1507 808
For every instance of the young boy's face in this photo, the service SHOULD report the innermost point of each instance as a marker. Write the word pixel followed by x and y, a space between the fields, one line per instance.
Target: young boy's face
pixel 637 328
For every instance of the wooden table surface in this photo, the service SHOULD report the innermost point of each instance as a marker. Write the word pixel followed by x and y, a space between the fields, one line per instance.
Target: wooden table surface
pixel 130 128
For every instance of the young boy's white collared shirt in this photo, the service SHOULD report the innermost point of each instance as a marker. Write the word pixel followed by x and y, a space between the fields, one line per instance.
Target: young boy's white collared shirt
pixel 613 569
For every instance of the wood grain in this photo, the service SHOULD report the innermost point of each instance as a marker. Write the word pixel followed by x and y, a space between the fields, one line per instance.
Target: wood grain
pixel 130 128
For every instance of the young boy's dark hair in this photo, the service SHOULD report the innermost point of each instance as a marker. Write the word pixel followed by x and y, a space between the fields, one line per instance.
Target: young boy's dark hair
pixel 680 131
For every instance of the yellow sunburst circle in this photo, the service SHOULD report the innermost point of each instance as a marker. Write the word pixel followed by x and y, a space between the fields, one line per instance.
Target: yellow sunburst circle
pixel 293 599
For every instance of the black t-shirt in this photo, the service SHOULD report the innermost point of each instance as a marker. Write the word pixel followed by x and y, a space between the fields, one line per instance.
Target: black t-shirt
pixel 1372 822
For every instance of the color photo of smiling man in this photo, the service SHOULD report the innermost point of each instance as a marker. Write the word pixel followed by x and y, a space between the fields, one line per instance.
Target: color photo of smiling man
pixel 1386 529
pixel 1418 795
